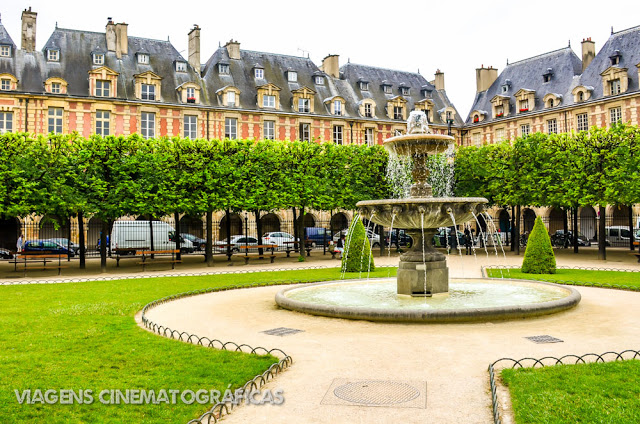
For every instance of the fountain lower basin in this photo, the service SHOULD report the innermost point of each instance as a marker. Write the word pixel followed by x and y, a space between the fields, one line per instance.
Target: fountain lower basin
pixel 467 300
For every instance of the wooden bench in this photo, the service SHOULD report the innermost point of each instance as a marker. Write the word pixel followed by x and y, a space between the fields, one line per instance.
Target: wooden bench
pixel 41 259
pixel 146 254
pixel 270 247
pixel 124 254
pixel 291 246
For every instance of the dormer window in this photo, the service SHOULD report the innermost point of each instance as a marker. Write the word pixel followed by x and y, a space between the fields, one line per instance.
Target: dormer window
pixel 269 101
pixel 364 85
pixel 368 110
pixel 231 98
pixel 5 84
pixel 524 105
pixel 5 51
pixel 615 58
pixel 337 107
pixel 404 91
pixel 398 112
pixel 292 76
pixel 98 59
pixel 546 77
pixel 387 89
pixel 143 58
pixel 181 66
pixel 505 88
pixel 191 95
pixel 56 88
pixel 614 87
pixel 103 88
pixel 53 55
pixel 303 105
pixel 319 80
pixel 426 93
pixel 258 73
pixel 499 111
pixel 223 68
pixel 148 92
pixel 581 96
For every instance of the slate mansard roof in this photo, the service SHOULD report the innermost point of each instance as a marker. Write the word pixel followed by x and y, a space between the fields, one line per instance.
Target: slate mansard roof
pixel 567 74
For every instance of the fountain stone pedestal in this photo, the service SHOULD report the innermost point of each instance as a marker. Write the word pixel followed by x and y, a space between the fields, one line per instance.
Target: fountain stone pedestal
pixel 422 274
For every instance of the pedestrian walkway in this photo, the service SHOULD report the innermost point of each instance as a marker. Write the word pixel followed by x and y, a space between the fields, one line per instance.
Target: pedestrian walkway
pixel 445 363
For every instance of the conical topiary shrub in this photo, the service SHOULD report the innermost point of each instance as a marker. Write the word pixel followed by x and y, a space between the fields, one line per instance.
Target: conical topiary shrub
pixel 357 253
pixel 539 257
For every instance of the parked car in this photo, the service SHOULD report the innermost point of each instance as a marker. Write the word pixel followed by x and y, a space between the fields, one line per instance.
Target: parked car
pixel 236 242
pixel 5 254
pixel 198 243
pixel 558 239
pixel 374 239
pixel 317 236
pixel 617 235
pixel 278 238
pixel 65 242
pixel 443 237
pixel 132 235
pixel 37 246
pixel 400 238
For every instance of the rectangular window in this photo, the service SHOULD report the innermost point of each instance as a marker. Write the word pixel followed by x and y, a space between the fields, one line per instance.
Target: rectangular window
pixel 368 110
pixel 500 134
pixel 305 132
pixel 103 88
pixel 102 122
pixel 191 127
pixel 368 137
pixel 404 91
pixel 6 122
pixel 614 87
pixel 148 124
pixel 231 98
pixel 292 76
pixel 268 101
pixel 524 105
pixel 449 116
pixel 143 58
pixel 337 134
pixel 615 115
pixel 56 88
pixel 5 84
pixel 53 55
pixel 583 122
pixel 499 111
pixel 191 95
pixel 364 86
pixel 552 126
pixel 303 105
pixel 337 107
pixel 223 68
pixel 231 128
pixel 387 89
pixel 269 130
pixel 55 120
pixel 5 51
pixel 98 59
pixel 181 66
pixel 259 73
pixel 476 139
pixel 525 130
pixel 148 92
pixel 319 80
pixel 397 112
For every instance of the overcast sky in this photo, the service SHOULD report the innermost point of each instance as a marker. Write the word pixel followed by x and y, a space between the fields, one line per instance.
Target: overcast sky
pixel 454 36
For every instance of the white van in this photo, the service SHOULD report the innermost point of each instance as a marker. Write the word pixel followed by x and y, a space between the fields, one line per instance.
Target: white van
pixel 134 235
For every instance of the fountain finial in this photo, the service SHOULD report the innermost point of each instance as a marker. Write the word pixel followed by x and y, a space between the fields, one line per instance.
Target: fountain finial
pixel 418 123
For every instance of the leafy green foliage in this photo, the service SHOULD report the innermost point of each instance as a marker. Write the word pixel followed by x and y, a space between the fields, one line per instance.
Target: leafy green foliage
pixel 539 257
pixel 357 255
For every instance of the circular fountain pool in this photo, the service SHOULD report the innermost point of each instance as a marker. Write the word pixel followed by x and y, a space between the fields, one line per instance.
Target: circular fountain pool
pixel 467 300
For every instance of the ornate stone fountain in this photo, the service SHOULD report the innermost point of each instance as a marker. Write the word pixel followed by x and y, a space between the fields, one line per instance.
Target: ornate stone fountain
pixel 423 270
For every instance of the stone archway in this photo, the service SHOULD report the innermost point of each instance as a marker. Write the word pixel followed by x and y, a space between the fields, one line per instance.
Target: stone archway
pixel 504 221
pixel 588 222
pixel 10 229
pixel 52 226
pixel 193 225
pixel 339 221
pixel 556 220
pixel 270 223
pixel 93 233
pixel 528 220
pixel 236 226
pixel 620 216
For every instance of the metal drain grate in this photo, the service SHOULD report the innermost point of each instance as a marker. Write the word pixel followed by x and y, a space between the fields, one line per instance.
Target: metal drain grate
pixel 375 392
pixel 544 339
pixel 282 331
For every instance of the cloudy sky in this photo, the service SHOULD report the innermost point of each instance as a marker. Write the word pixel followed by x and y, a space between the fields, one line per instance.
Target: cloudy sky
pixel 453 36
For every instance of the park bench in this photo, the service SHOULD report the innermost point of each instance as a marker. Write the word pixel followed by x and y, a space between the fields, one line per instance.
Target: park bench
pixel 124 254
pixel 148 259
pixel 39 260
pixel 268 247
pixel 292 245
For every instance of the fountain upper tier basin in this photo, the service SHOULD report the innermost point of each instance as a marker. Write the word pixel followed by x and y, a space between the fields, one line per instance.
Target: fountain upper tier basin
pixel 418 144
pixel 422 212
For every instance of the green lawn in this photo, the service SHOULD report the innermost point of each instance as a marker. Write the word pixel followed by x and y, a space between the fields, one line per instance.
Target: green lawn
pixel 614 278
pixel 82 336
pixel 583 393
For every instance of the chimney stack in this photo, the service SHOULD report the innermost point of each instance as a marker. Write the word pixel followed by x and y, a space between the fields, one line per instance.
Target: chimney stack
pixel 233 48
pixel 28 30
pixel 110 34
pixel 485 77
pixel 194 48
pixel 588 52
pixel 331 65
pixel 122 40
pixel 439 81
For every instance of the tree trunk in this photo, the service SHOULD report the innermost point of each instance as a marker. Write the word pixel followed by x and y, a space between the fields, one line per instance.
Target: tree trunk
pixel 103 246
pixel 209 249
pixel 81 240
pixel 295 230
pixel 516 239
pixel 382 244
pixel 176 219
pixel 602 236
pixel 575 230
pixel 151 234
pixel 259 230
pixel 565 222
pixel 631 238
pixel 69 239
pixel 301 232
pixel 228 234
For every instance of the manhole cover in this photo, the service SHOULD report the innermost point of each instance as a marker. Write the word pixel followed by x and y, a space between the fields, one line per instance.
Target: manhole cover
pixel 544 339
pixel 375 392
pixel 281 331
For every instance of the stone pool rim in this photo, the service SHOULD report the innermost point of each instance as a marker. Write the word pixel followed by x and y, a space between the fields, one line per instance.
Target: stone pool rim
pixel 508 312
